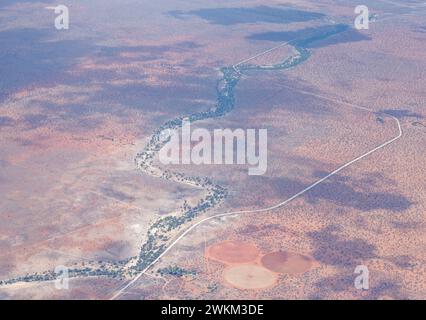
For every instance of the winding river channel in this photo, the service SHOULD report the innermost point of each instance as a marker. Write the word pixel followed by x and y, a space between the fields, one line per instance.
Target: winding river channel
pixel 166 229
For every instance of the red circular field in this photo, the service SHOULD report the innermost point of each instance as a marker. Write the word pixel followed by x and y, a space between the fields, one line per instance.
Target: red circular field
pixel 287 262
pixel 233 252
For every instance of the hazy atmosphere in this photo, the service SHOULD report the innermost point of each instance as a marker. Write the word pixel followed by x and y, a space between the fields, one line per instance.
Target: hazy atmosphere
pixel 194 149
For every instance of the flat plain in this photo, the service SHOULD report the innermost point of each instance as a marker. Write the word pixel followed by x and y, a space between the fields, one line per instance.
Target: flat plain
pixel 77 106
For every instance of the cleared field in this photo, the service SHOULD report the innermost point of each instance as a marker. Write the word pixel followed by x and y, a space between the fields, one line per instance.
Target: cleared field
pixel 231 252
pixel 287 262
pixel 249 276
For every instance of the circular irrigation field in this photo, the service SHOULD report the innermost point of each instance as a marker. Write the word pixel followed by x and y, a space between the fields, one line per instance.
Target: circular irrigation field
pixel 249 276
pixel 287 262
pixel 233 252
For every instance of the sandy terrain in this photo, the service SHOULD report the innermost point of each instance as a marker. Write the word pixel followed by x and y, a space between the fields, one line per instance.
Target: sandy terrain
pixel 76 108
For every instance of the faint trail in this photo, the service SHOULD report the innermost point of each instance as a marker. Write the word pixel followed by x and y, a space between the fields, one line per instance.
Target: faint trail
pixel 297 195
pixel 124 203
pixel 262 53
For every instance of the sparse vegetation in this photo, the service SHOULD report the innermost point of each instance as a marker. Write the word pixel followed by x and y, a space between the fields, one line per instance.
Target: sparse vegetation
pixel 159 233
pixel 176 271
